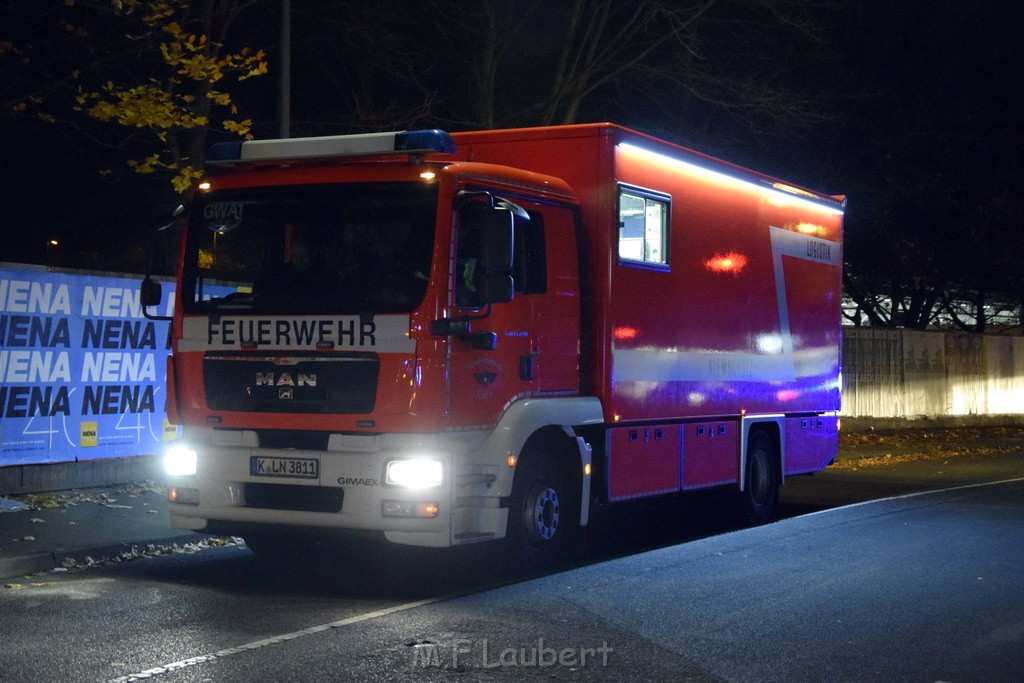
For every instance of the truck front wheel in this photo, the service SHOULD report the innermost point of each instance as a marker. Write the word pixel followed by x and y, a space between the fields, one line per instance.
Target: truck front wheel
pixel 543 515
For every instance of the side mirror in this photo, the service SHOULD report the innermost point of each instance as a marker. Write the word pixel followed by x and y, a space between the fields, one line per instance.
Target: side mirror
pixel 163 250
pixel 497 248
pixel 498 239
pixel 497 288
pixel 150 292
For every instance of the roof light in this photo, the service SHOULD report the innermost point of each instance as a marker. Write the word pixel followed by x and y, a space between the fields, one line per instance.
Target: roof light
pixel 403 142
pixel 775 191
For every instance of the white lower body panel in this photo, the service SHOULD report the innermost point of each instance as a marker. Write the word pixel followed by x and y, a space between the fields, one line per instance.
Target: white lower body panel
pixel 228 502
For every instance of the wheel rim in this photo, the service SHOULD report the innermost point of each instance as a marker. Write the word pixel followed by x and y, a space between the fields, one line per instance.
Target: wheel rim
pixel 541 513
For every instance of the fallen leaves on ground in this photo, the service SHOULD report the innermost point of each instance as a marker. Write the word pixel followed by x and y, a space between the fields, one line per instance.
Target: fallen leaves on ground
pixel 109 497
pixel 70 564
pixel 883 447
pixel 881 460
pixel 151 550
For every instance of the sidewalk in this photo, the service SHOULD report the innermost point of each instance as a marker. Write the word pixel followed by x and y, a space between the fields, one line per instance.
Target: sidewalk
pixel 87 526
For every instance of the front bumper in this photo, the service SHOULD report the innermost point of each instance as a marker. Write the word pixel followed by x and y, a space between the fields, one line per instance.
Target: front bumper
pixel 348 493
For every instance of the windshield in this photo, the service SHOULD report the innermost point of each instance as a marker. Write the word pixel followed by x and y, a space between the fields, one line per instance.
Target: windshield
pixel 339 249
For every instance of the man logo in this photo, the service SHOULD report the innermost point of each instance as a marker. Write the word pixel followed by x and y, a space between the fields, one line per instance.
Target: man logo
pixel 286 393
pixel 285 379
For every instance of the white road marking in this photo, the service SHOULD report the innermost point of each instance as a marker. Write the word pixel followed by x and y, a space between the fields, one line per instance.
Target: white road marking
pixel 273 640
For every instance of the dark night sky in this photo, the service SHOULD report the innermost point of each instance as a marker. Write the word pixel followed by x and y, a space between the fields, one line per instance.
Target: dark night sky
pixel 925 93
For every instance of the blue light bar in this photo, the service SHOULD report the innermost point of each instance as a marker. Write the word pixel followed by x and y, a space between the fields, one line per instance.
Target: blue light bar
pixel 224 152
pixel 432 140
pixel 333 146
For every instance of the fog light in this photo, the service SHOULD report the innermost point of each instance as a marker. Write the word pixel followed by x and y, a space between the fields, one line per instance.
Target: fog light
pixel 180 461
pixel 418 473
pixel 406 508
pixel 183 496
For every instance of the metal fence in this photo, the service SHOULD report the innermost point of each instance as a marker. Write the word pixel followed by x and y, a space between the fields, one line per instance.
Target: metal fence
pixel 909 373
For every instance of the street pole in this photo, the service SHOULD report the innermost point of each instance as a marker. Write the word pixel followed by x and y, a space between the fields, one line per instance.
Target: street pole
pixel 284 122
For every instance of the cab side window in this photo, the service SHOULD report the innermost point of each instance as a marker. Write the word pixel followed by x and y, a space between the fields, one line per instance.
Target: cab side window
pixel 529 261
pixel 529 264
pixel 467 257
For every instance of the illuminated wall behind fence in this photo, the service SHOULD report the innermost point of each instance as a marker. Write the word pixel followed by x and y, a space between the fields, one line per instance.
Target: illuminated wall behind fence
pixel 908 373
pixel 81 369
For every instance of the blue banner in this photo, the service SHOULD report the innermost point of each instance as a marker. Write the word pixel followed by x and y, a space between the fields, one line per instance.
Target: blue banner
pixel 81 368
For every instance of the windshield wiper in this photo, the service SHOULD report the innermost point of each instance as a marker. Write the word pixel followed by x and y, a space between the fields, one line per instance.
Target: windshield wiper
pixel 236 301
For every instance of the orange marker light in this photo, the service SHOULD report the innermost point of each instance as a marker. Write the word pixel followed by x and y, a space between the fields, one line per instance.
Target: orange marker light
pixel 726 263
pixel 625 333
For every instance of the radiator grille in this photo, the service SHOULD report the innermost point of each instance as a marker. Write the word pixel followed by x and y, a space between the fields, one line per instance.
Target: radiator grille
pixel 291 497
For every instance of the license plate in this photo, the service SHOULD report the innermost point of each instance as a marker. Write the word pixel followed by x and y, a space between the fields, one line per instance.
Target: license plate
pixel 293 468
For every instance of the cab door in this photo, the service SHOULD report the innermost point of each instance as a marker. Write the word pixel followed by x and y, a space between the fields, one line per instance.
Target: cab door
pixel 491 341
pixel 535 334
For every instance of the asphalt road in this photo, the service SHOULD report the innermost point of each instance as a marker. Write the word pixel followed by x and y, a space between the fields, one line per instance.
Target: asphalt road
pixel 924 586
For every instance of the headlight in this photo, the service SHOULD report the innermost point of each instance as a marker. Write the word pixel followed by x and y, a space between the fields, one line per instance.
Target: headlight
pixel 179 461
pixel 417 473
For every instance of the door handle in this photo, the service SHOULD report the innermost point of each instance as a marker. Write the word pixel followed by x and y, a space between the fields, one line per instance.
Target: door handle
pixel 526 367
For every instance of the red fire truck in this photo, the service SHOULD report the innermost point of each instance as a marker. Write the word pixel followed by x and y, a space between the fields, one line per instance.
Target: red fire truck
pixel 442 339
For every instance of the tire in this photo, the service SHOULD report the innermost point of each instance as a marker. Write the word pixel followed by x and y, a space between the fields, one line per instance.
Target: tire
pixel 543 520
pixel 760 494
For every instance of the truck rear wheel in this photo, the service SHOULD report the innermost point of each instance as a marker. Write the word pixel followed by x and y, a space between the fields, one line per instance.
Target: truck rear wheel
pixel 760 493
pixel 543 517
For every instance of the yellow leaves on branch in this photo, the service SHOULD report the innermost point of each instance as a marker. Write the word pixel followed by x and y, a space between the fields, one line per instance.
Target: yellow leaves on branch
pixel 194 57
pixel 144 106
pixel 221 98
pixel 240 127
pixel 158 9
pixel 147 165
pixel 259 69
pixel 185 175
pixel 181 98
